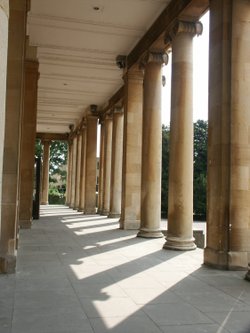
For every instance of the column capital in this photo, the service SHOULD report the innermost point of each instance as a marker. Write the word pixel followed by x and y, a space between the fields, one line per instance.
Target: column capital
pixel 108 116
pixel 118 110
pixel 192 28
pixel 158 56
pixel 133 74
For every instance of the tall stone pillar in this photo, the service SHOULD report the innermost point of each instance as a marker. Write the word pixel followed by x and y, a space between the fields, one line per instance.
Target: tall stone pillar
pixel 101 168
pixel 90 172
pixel 73 174
pixel 132 149
pixel 78 170
pixel 116 163
pixel 69 171
pixel 151 147
pixel 27 157
pixel 82 170
pixel 228 219
pixel 4 18
pixel 45 172
pixel 107 163
pixel 14 107
pixel 180 197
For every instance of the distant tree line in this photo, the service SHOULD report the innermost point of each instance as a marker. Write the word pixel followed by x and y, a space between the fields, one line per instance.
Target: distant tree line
pixel 57 170
pixel 200 169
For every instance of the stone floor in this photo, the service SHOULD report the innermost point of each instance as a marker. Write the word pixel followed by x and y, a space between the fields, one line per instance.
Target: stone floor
pixel 81 274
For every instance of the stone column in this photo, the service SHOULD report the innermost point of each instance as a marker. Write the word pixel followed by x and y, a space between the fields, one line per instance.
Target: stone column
pixel 78 170
pixel 90 172
pixel 73 174
pixel 107 163
pixel 151 146
pixel 45 174
pixel 132 148
pixel 4 17
pixel 69 171
pixel 116 163
pixel 13 116
pixel 180 197
pixel 27 157
pixel 101 169
pixel 228 220
pixel 82 170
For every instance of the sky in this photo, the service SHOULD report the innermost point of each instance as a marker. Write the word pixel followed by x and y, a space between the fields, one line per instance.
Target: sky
pixel 200 78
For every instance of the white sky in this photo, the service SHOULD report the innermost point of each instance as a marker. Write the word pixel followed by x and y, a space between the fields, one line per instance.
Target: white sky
pixel 200 78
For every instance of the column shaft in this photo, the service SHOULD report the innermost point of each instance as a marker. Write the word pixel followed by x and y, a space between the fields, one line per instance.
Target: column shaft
pixel 151 149
pixel 180 197
pixel 101 170
pixel 83 172
pixel 107 164
pixel 4 17
pixel 45 175
pixel 27 157
pixel 14 107
pixel 69 171
pixel 116 164
pixel 78 171
pixel 73 174
pixel 90 172
pixel 132 147
pixel 228 227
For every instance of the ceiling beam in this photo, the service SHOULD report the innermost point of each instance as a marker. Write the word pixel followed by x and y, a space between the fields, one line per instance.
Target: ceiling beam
pixel 184 9
pixel 52 136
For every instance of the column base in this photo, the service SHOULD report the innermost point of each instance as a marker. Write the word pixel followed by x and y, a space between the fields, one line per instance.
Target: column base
pixel 179 244
pixel 8 264
pixel 247 277
pixel 237 261
pixel 104 212
pixel 114 215
pixel 25 224
pixel 216 259
pixel 44 203
pixel 130 224
pixel 90 212
pixel 232 260
pixel 150 233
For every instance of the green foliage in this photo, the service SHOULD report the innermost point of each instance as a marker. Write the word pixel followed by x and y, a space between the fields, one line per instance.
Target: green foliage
pixel 55 197
pixel 57 172
pixel 38 148
pixel 200 169
pixel 164 175
pixel 57 169
pixel 58 157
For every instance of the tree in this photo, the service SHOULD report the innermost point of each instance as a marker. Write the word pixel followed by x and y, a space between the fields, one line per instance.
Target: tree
pixel 200 168
pixel 165 168
pixel 57 169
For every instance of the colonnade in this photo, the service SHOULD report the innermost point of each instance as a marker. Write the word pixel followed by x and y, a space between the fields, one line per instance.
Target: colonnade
pixel 130 155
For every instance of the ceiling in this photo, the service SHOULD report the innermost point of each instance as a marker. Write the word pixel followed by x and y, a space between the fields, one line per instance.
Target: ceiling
pixel 77 43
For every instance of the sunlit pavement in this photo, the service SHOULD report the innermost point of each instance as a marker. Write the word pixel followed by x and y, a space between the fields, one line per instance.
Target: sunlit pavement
pixel 78 274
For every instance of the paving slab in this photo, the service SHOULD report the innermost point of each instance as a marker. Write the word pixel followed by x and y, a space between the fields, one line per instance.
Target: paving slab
pixel 82 274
